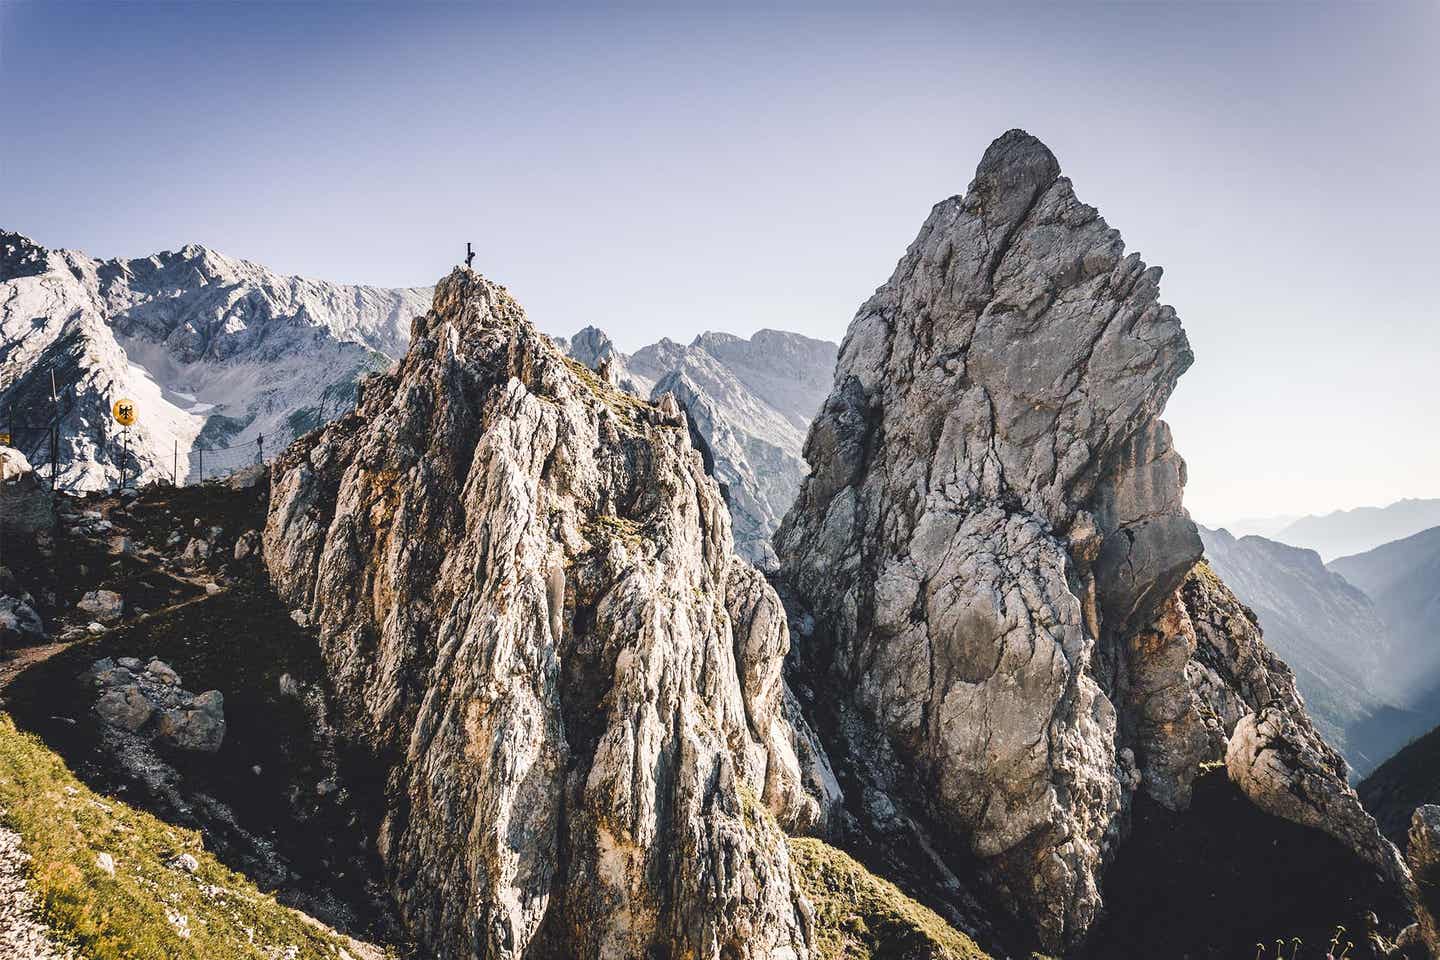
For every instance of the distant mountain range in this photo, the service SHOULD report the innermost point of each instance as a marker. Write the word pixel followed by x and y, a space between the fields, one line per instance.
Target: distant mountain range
pixel 1347 532
pixel 1266 527
pixel 218 352
pixel 214 352
pixel 1403 578
pixel 1325 628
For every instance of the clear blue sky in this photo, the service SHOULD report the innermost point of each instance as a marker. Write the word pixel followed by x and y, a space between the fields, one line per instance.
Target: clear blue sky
pixel 661 172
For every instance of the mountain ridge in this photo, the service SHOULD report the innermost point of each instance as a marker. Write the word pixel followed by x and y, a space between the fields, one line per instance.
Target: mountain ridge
pixel 1346 532
pixel 215 352
pixel 1403 578
pixel 1327 629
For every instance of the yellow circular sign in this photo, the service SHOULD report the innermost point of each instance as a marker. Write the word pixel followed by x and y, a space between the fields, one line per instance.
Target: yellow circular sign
pixel 124 411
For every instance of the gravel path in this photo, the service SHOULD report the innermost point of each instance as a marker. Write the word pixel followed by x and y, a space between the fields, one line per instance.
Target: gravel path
pixel 22 935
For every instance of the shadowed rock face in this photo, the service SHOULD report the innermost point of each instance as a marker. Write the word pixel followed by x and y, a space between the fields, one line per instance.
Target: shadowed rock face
pixel 993 544
pixel 525 591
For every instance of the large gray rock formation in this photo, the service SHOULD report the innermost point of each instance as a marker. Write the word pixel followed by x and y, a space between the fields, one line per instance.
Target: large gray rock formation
pixel 1003 578
pixel 525 592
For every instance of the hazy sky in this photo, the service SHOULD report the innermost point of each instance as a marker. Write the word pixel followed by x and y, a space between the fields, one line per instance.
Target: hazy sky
pixel 659 173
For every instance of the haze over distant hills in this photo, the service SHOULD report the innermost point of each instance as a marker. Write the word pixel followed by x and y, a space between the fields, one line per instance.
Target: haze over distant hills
pixel 1266 527
pixel 1346 532
pixel 1360 633
pixel 1403 578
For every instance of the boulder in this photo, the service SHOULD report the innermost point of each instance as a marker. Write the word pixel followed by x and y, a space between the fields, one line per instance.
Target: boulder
pixel 196 552
pixel 106 606
pixel 247 546
pixel 248 478
pixel 160 672
pixel 198 724
pixel 125 707
pixel 20 625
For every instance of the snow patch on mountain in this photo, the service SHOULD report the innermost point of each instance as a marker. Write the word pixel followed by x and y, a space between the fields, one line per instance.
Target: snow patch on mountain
pixel 216 352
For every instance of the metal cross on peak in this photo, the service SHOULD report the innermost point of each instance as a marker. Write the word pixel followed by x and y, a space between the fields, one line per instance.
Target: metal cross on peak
pixel 469 257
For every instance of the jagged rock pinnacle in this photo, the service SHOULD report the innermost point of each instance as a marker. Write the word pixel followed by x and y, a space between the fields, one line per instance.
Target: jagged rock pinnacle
pixel 525 590
pixel 993 543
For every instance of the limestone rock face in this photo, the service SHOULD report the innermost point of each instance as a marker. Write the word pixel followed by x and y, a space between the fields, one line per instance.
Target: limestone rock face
pixel 993 545
pixel 1245 699
pixel 525 590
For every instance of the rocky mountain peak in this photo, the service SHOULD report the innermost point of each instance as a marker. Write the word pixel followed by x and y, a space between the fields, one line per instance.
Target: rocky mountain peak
pixel 591 345
pixel 993 544
pixel 19 256
pixel 526 593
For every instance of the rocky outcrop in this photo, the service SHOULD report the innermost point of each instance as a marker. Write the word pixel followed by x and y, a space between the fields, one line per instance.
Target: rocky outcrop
pixel 525 593
pixel 132 695
pixel 748 402
pixel 1326 630
pixel 1002 574
pixel 1246 698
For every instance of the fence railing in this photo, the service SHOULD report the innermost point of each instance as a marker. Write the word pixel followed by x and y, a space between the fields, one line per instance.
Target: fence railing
pixel 44 445
pixel 201 461
pixel 38 443
pixel 45 427
pixel 217 461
